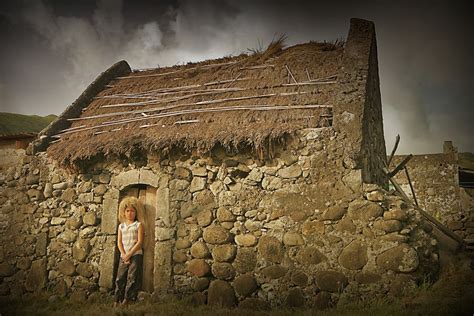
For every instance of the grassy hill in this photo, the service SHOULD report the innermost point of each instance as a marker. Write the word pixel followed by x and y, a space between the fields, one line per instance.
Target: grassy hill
pixel 466 160
pixel 12 123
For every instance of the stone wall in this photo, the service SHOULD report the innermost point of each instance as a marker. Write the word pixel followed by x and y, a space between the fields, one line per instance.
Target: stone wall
pixel 10 157
pixel 301 229
pixel 436 184
pixel 358 109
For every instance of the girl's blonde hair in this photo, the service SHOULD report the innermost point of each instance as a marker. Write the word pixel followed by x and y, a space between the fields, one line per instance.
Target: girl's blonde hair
pixel 130 201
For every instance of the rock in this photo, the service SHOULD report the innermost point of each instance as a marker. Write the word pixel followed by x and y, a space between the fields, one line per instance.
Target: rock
pixel 322 300
pixel 312 227
pixel 199 171
pixel 100 189
pixel 48 190
pixel 295 298
pixel 84 269
pixel 224 215
pixel 254 177
pixel 69 195
pixel 199 250
pixel 367 277
pixel 89 219
pixel 401 284
pixel 86 197
pixel 187 209
pixel 197 184
pixel 87 232
pixel 57 221
pixel 32 179
pixel 246 240
pixel 299 278
pixel 200 284
pixel 182 244
pixel 363 210
pixel 271 183
pixel 310 255
pixel 216 235
pixel 331 281
pixel 81 250
pixel 67 267
pixel 397 214
pixel 41 244
pixel 388 226
pixel 37 276
pixel 270 249
pixel 204 218
pixel 353 256
pixel 346 225
pixel 23 263
pixel 227 198
pixel 199 267
pixel 180 256
pixel 216 187
pixel 179 185
pixel 334 213
pixel 375 196
pixel 74 222
pixel 254 304
pixel 245 260
pixel 182 173
pixel 402 258
pixel 224 253
pixel 221 294
pixel 274 272
pixel 293 171
pixel 67 236
pixel 6 270
pixel 292 239
pixel 245 285
pixel 223 270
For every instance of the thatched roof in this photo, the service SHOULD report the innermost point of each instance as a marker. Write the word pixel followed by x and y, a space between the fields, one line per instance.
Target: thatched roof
pixel 230 101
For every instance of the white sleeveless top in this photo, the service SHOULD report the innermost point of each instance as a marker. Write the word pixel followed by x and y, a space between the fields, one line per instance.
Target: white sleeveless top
pixel 130 236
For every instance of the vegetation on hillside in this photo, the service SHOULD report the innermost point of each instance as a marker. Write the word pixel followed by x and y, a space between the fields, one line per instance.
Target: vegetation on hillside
pixel 12 123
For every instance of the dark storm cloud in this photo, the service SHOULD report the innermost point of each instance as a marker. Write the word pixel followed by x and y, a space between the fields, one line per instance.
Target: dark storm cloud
pixel 56 48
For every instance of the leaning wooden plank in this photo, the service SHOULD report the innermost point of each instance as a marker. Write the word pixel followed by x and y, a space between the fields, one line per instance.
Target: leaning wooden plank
pixel 411 186
pixel 256 67
pixel 397 140
pixel 208 110
pixel 400 166
pixel 430 218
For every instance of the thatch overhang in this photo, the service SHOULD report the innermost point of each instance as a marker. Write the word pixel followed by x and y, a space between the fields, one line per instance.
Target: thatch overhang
pixel 243 100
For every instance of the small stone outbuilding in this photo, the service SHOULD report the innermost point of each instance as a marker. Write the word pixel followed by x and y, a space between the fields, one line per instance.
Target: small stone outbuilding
pixel 261 177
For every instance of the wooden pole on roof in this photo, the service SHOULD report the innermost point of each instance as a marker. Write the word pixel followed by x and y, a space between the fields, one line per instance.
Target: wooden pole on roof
pixel 289 71
pixel 400 166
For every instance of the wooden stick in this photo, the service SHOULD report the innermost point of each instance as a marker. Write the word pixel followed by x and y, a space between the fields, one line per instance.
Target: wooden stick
pixel 430 218
pixel 178 105
pixel 308 83
pixel 411 186
pixel 289 71
pixel 307 73
pixel 256 67
pixel 324 78
pixel 397 140
pixel 176 71
pixel 208 110
pixel 185 122
pixel 400 166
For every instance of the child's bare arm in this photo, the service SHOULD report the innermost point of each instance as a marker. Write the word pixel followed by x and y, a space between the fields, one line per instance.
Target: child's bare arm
pixel 138 244
pixel 119 243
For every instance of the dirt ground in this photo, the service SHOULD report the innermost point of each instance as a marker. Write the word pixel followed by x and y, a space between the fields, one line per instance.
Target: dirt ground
pixel 452 294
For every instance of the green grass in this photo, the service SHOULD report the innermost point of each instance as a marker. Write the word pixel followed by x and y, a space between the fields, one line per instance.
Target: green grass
pixel 466 160
pixel 12 123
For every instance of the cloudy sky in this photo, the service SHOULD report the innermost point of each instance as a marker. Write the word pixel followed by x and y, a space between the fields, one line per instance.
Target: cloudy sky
pixel 52 49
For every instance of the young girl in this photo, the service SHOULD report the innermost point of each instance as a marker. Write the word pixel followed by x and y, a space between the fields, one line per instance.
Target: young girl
pixel 129 242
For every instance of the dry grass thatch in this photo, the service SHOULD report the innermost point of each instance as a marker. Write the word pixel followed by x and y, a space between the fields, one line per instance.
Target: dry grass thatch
pixel 230 101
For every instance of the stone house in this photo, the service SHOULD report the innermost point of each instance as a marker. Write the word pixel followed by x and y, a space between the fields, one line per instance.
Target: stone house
pixel 261 179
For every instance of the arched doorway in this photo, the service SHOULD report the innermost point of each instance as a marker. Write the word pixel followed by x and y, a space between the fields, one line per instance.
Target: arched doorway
pixel 147 196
